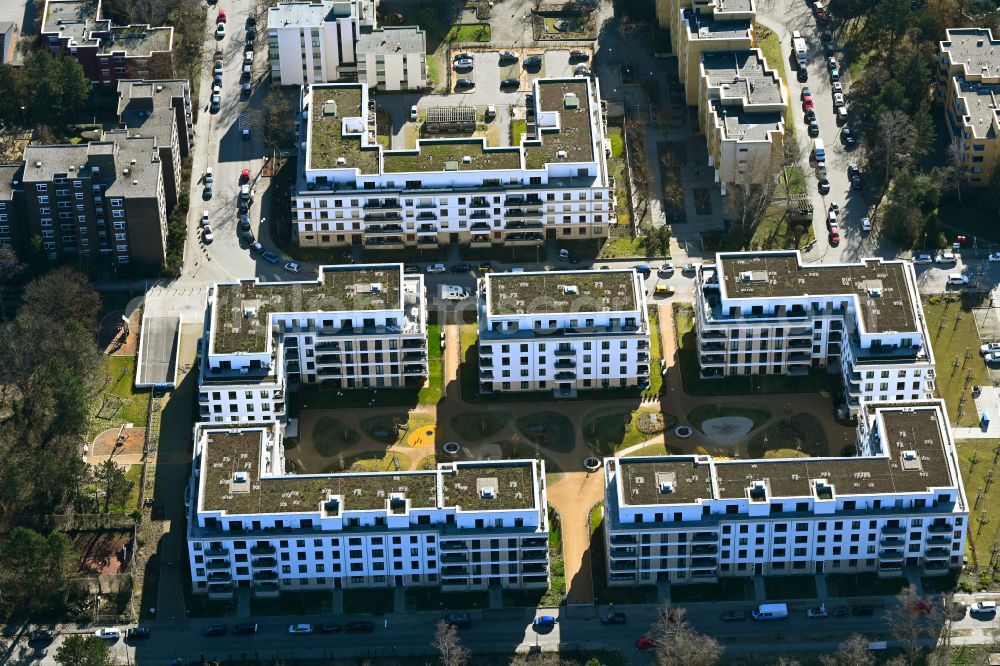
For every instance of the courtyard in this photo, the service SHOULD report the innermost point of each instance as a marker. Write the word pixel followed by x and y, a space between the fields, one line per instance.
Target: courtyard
pixel 388 437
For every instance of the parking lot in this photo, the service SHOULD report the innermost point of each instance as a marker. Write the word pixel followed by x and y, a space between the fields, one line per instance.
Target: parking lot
pixel 487 73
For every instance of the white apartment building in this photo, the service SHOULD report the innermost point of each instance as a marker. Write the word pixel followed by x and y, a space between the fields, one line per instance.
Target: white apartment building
pixel 463 526
pixel 354 326
pixel 336 40
pixel 393 58
pixel 447 191
pixel 768 313
pixel 898 503
pixel 563 331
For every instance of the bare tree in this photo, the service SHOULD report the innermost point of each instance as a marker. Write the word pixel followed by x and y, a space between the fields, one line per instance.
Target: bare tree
pixel 911 620
pixel 955 172
pixel 9 267
pixel 448 646
pixel 852 652
pixel 894 145
pixel 677 642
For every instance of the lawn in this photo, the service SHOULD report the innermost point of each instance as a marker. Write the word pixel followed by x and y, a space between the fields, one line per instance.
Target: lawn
pixel 433 389
pixel 133 407
pixel 468 334
pixel 622 246
pixel 687 355
pixel 775 232
pixel 373 461
pixel 981 537
pixel 596 517
pixel 476 426
pixel 655 352
pixel 611 428
pixel 953 333
pixel 770 45
pixel 616 165
pixel 474 32
pixel 311 602
pixel 549 430
pixel 801 434
pixel 517 130
pixel 331 436
pixel 790 587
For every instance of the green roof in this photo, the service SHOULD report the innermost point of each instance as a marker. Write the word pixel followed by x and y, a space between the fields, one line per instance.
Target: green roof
pixel 327 141
pixel 438 155
pixel 570 291
pixel 574 134
pixel 240 316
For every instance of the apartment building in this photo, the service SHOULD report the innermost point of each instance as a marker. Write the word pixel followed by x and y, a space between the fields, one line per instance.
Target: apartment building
pixel 11 204
pixel 461 526
pixel 968 84
pixel 768 313
pixel 100 198
pixel 9 32
pixel 351 191
pixel 354 326
pixel 107 53
pixel 393 58
pixel 160 109
pixel 899 502
pixel 563 331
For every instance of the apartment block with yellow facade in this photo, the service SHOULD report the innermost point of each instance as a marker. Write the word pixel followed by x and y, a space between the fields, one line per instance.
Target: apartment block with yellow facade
pixel 969 84
pixel 741 107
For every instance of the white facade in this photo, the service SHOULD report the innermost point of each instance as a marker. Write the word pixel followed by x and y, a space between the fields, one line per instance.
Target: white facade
pixel 555 185
pixel 463 526
pixel 767 313
pixel 899 503
pixel 563 331
pixel 362 326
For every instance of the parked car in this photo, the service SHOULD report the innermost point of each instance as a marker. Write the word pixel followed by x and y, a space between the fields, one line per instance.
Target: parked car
pixel 840 611
pixel 834 238
pixel 461 268
pixel 269 256
pixel 831 63
pixel 464 56
pixel 436 268
pixel 813 129
pixel 838 99
pixel 810 115
pixel 817 612
pixel 463 65
pixel 464 83
pixel 292 267
pixel 303 628
pixel 533 61
pixel 826 36
pixel 40 636
pixel 329 628
pixel 989 348
pixel 806 92
pixel 854 175
pixel 992 357
pixel 823 185
pixel 958 279
pixel 994 257
pixel 582 70
pixel 206 235
pixel 245 628
pixel 578 55
pixel 802 74
pixel 485 267
pixel 613 617
pixel 835 75
pixel 866 224
pixel 666 269
pixel 946 257
pixel 923 259
pixel 137 633
pixel 413 113
pixel 206 192
pixel 459 620
pixel 217 68
pixel 360 627
pixel 645 643
pixel 216 103
pixel 734 615
pixel 508 56
pixel 220 30
pixel 983 608
pixel 836 87
pixel 256 248
pixel 544 622
pixel 109 633
pixel 510 83
pixel 204 218
pixel 409 268
pixel 862 610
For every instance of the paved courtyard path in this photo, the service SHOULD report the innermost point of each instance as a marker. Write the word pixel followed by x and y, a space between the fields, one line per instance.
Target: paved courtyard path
pixel 573 495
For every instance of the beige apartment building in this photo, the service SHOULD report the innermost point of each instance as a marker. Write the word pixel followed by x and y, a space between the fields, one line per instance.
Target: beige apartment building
pixel 968 84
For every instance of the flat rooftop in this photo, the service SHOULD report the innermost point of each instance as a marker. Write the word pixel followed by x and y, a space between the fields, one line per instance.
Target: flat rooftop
pixel 742 75
pixel 468 486
pixel 240 315
pixel 70 18
pixel 981 102
pixel 137 40
pixel 881 287
pixel 975 48
pixel 734 6
pixel 574 140
pixel 916 461
pixel 301 14
pixel 330 147
pixel 668 480
pixel 740 125
pixel 702 26
pixel 393 39
pixel 563 291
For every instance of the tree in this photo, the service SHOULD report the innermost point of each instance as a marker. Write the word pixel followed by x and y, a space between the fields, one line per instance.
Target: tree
pixel 81 650
pixel 9 267
pixel 64 294
pixel 33 570
pixel 656 239
pixel 852 652
pixel 677 642
pixel 110 477
pixel 450 649
pixel 911 620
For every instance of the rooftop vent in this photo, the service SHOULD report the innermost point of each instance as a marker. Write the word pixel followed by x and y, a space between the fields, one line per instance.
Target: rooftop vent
pixel 132 162
pixel 72 168
pixel 330 108
pixel 240 483
pixel 561 154
pixel 38 165
pixel 341 161
pixel 486 492
pixel 875 292
pixel 666 482
pixel 125 172
pixel 467 159
pixel 571 101
pixel 571 289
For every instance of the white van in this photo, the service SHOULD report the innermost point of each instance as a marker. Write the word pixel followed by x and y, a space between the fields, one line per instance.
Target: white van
pixel 796 34
pixel 819 150
pixel 770 612
pixel 452 292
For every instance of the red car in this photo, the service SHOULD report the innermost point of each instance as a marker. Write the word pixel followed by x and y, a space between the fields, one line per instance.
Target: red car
pixel 834 238
pixel 924 607
pixel 807 103
pixel 244 176
pixel 222 16
pixel 645 643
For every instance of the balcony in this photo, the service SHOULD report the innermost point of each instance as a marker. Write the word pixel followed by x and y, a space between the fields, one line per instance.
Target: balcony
pixel 565 375
pixel 800 331
pixel 480 240
pixel 215 565
pixel 217 552
pixel 565 351
pixel 799 356
pixel 892 542
pixel 712 359
pixel 535 542
pixel 389 243
pixel 523 201
pixel 713 346
pixel 426 240
pixel 799 344
pixel 454 558
pixel 265 563
pixel 414 356
pixel 427 229
pixel 266 590
pixel 565 363
pixel 265 575
pixel 454 545
pixel 455 571
pixel 375 229
pixel 705 549
pixel 533 555
pixel 937 554
pixel 705 536
pixel 422 217
pixel 383 217
pixel 704 562
pixel 220 591
pixel 382 204
pixel 713 335
pixel 220 577
pixel 624 539
pixel 890 567
pixel 939 528
pixel 480 215
pixel 939 540
pixel 479 202
pixel 524 239
pixel 642 357
pixel 534 568
pixel 486 363
pixel 890 555
pixel 414 369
